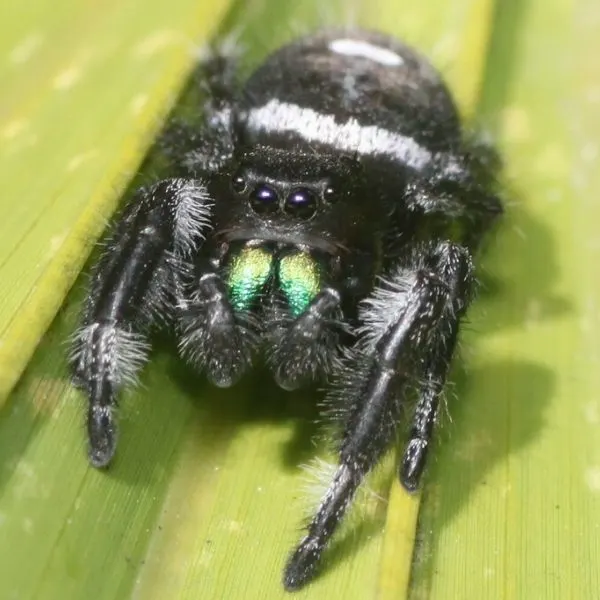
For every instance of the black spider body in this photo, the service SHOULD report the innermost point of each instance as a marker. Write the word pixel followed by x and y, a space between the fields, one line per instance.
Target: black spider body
pixel 324 218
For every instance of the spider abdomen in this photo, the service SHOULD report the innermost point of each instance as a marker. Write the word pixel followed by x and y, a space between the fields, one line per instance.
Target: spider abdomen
pixel 353 91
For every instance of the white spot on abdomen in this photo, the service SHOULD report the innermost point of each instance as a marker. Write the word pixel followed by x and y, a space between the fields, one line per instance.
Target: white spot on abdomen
pixel 350 47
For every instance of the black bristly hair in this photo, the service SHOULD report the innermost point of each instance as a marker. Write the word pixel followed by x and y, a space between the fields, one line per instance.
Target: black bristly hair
pixel 326 215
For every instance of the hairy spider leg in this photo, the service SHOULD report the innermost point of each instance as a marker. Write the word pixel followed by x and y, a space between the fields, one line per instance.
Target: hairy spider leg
pixel 202 149
pixel 453 263
pixel 404 322
pixel 144 256
pixel 459 186
pixel 415 352
pixel 217 339
pixel 154 235
pixel 304 348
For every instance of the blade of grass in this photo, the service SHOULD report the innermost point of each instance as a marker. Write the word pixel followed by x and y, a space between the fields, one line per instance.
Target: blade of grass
pixel 514 501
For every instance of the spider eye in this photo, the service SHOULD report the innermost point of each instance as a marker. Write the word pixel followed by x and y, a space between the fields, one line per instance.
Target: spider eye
pixel 238 183
pixel 330 194
pixel 301 203
pixel 263 200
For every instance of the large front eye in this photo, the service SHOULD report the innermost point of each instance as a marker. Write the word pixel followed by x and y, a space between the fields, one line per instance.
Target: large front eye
pixel 301 203
pixel 263 200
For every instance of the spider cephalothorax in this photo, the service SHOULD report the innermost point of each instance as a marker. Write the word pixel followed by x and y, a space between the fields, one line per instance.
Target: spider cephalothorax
pixel 325 217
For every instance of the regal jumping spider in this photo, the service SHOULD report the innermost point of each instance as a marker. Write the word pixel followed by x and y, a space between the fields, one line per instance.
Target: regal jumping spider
pixel 325 216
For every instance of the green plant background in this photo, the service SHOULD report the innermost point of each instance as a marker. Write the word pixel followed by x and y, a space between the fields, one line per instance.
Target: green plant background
pixel 206 496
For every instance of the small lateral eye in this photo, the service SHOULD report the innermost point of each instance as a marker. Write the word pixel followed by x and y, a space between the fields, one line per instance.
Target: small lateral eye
pixel 238 183
pixel 301 203
pixel 264 200
pixel 330 194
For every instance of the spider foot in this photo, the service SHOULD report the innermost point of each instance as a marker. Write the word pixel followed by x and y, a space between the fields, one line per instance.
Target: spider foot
pixel 413 463
pixel 102 434
pixel 302 564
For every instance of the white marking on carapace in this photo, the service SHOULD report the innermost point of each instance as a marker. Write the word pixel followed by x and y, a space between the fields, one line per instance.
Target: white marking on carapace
pixel 349 136
pixel 350 47
pixel 349 84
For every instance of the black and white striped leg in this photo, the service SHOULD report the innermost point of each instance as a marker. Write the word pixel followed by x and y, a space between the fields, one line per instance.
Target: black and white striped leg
pixel 404 323
pixel 306 348
pixel 130 289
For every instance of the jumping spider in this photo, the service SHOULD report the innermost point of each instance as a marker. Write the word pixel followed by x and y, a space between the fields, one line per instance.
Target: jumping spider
pixel 326 215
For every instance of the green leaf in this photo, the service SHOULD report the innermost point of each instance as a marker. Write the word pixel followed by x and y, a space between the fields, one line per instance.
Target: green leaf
pixel 83 92
pixel 513 502
pixel 206 497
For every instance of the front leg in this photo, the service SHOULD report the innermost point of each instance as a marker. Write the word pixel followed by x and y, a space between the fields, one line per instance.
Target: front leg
pixel 131 287
pixel 215 338
pixel 219 330
pixel 306 348
pixel 405 323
